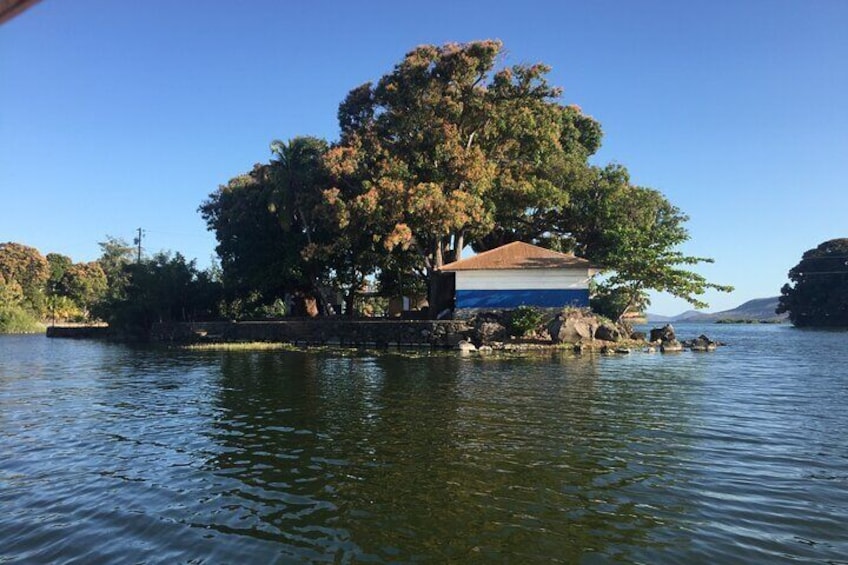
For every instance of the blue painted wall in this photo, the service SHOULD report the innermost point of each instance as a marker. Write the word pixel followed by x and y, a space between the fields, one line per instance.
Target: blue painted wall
pixel 514 298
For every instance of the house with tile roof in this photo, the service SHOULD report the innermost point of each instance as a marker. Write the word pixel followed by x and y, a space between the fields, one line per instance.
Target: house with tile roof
pixel 521 274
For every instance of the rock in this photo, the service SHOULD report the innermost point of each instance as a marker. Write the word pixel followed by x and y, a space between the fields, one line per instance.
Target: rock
pixel 702 343
pixel 487 328
pixel 637 336
pixel 607 332
pixel 571 329
pixel 671 346
pixel 485 349
pixel 465 346
pixel 650 349
pixel 489 331
pixel 454 339
pixel 623 350
pixel 663 334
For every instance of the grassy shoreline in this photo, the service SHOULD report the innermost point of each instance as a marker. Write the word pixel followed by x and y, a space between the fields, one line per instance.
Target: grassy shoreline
pixel 240 346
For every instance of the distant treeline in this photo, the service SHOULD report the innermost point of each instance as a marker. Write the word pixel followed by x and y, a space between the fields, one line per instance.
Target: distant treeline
pixel 37 289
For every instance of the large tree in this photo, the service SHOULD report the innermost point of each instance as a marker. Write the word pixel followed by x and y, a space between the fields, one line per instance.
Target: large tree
pixel 257 252
pixel 85 284
pixel 818 293
pixel 26 268
pixel 58 265
pixel 268 221
pixel 334 250
pixel 633 233
pixel 115 255
pixel 163 288
pixel 298 178
pixel 446 151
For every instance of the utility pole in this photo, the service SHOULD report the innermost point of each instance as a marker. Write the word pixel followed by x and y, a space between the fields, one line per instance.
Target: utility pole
pixel 137 241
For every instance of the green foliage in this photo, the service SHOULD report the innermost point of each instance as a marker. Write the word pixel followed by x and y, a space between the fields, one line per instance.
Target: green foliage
pixel 160 289
pixel 116 255
pixel 129 295
pixel 62 308
pixel 14 316
pixel 27 269
pixel 265 221
pixel 399 276
pixel 611 302
pixel 10 291
pixel 276 309
pixel 16 319
pixel 371 306
pixel 524 320
pixel 85 284
pixel 298 178
pixel 633 233
pixel 446 150
pixel 34 288
pixel 58 265
pixel 818 293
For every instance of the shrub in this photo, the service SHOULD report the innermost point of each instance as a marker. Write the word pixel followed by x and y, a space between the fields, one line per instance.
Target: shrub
pixel 524 320
pixel 14 319
pixel 277 309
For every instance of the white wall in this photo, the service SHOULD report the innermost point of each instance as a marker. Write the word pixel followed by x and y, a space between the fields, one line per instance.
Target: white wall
pixel 522 279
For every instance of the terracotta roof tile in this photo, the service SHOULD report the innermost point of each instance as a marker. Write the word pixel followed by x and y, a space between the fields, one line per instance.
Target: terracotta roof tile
pixel 518 255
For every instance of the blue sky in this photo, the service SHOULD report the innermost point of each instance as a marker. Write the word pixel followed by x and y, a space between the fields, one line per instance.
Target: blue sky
pixel 119 115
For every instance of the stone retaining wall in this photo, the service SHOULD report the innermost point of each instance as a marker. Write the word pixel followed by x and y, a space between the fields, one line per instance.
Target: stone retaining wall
pixel 79 332
pixel 379 333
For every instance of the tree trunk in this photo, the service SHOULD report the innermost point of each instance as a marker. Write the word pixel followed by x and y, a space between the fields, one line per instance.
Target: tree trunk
pixel 439 255
pixel 432 293
pixel 458 244
pixel 349 300
pixel 630 304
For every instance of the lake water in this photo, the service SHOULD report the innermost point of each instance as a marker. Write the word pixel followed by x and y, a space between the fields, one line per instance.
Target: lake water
pixel 117 454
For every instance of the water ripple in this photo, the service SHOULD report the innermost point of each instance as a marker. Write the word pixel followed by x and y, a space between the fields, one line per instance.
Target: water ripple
pixel 113 454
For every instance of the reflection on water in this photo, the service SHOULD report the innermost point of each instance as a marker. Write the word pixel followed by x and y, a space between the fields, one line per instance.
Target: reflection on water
pixel 120 454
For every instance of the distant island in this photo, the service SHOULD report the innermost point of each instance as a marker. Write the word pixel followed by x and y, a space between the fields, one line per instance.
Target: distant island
pixel 759 310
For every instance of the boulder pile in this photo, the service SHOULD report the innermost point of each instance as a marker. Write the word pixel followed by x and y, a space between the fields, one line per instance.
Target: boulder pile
pixel 578 327
pixel 668 342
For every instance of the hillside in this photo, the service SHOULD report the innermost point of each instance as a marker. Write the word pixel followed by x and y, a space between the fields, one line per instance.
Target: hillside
pixel 759 310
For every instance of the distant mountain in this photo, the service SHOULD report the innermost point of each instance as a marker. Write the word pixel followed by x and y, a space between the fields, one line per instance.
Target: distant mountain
pixel 757 310
pixel 651 318
pixel 687 315
pixel 692 315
